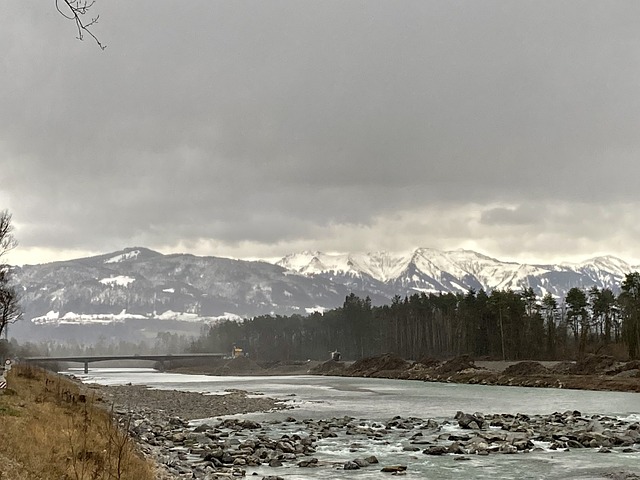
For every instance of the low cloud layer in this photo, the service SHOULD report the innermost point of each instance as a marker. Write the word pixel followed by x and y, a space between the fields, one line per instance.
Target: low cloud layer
pixel 256 129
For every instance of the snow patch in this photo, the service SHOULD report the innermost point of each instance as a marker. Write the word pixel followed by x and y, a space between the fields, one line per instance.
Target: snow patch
pixel 71 318
pixel 133 254
pixel 49 317
pixel 120 280
pixel 316 309
pixel 194 317
pixel 426 290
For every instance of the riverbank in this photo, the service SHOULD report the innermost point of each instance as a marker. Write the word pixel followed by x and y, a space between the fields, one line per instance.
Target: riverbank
pixel 291 445
pixel 158 421
pixel 222 448
pixel 51 428
pixel 594 372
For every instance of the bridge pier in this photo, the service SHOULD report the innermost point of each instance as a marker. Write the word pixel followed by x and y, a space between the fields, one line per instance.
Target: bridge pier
pixel 161 365
pixel 86 367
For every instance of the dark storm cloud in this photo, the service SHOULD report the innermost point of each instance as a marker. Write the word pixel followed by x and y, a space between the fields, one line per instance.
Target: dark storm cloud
pixel 264 121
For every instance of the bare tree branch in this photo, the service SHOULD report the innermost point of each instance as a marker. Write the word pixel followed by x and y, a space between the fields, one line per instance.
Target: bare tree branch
pixel 10 311
pixel 7 240
pixel 75 10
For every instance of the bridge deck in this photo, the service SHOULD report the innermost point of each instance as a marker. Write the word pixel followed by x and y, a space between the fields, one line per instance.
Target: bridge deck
pixel 87 359
pixel 100 358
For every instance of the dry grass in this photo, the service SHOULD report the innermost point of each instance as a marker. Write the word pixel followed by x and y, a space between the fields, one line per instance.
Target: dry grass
pixel 50 430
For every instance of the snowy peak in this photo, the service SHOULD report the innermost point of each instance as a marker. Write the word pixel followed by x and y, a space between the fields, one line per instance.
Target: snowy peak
pixel 381 266
pixel 431 270
pixel 608 263
pixel 604 270
pixel 388 267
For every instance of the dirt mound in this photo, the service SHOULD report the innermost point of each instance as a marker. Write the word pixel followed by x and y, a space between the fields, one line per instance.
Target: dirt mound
pixel 239 366
pixel 289 368
pixel 429 362
pixel 625 367
pixel 456 364
pixel 632 365
pixel 526 368
pixel 367 366
pixel 633 373
pixel 563 368
pixel 327 368
pixel 589 365
pixel 593 364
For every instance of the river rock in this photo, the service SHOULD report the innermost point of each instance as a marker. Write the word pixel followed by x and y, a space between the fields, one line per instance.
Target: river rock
pixel 310 462
pixel 436 450
pixel 394 468
pixel 468 421
pixel 351 465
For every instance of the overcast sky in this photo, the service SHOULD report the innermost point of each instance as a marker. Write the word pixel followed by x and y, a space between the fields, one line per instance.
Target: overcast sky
pixel 256 129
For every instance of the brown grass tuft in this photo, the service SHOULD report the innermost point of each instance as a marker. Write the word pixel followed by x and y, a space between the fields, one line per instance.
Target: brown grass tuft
pixel 50 429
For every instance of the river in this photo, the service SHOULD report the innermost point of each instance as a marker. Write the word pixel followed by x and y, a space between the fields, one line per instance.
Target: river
pixel 373 400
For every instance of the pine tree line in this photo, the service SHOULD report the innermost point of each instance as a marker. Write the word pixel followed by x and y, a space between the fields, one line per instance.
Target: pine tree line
pixel 502 325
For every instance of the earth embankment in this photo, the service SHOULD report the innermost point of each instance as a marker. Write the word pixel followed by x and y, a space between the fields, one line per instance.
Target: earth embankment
pixel 593 372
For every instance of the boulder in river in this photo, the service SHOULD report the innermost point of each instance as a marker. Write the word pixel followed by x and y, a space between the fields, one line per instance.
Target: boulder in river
pixel 468 421
pixel 394 469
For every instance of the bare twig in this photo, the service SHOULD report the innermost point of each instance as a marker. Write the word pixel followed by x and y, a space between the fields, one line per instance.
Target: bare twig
pixel 7 240
pixel 75 10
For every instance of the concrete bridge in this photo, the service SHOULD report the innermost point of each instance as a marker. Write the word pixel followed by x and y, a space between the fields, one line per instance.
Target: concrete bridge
pixel 87 359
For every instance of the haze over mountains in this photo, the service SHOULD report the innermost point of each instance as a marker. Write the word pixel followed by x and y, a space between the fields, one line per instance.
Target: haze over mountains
pixel 145 289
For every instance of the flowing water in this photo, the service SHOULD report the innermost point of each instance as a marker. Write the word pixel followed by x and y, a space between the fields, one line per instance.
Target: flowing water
pixel 373 400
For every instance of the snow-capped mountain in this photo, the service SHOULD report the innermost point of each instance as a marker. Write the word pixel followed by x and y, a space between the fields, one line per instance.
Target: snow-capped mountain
pixel 430 270
pixel 145 283
pixel 137 286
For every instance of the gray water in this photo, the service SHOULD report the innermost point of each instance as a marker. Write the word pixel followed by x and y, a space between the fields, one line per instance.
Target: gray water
pixel 380 399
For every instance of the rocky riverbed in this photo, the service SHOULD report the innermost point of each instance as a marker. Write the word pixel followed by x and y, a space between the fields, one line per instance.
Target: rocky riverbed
pixel 158 420
pixel 186 405
pixel 221 447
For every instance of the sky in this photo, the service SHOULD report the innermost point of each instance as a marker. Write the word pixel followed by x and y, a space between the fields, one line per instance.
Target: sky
pixel 256 129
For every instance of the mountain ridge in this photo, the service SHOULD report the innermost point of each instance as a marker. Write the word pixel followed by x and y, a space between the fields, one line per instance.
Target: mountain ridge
pixel 137 283
pixel 470 269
